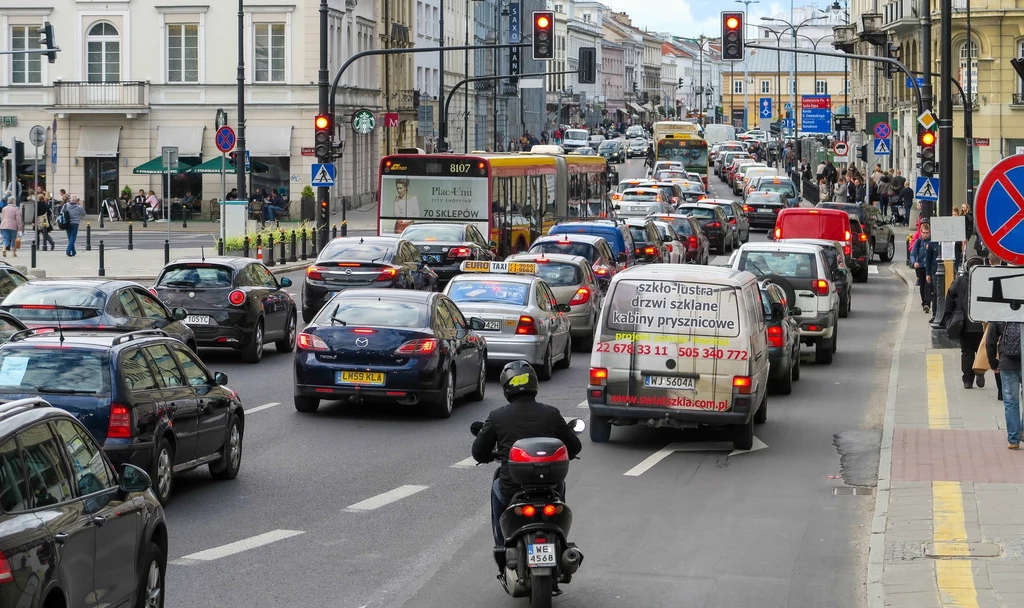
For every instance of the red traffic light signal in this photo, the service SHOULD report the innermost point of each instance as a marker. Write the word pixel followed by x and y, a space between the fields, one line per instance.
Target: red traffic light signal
pixel 732 36
pixel 322 136
pixel 543 35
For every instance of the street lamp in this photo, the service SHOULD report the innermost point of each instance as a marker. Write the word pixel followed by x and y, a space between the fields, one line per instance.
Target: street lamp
pixel 837 10
pixel 746 76
pixel 814 45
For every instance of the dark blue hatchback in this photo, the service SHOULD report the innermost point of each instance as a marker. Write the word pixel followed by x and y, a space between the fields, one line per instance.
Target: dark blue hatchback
pixel 407 347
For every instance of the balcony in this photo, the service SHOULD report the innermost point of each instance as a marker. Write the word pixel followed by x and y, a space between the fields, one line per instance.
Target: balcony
pixel 845 38
pixel 101 97
pixel 900 14
pixel 958 101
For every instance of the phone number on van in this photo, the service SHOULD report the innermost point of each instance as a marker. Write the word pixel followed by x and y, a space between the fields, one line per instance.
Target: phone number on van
pixel 662 351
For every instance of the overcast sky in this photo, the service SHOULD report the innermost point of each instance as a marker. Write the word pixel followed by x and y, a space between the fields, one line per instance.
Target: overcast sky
pixel 689 18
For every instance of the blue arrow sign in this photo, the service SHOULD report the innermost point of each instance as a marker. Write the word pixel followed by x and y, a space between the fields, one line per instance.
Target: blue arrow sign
pixel 323 174
pixel 883 147
pixel 766 107
pixel 927 189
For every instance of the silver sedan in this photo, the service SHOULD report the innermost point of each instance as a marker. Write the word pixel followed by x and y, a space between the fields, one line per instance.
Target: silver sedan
pixel 571 278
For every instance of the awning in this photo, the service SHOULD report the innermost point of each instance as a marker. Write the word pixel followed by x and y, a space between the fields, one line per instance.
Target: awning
pixel 156 166
pixel 634 107
pixel 268 141
pixel 188 140
pixel 214 166
pixel 648 108
pixel 98 141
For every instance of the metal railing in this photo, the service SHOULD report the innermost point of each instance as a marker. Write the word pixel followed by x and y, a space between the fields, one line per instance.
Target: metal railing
pixel 958 100
pixel 95 94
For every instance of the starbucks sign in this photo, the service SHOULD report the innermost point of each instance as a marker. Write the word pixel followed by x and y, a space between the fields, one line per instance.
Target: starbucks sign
pixel 363 122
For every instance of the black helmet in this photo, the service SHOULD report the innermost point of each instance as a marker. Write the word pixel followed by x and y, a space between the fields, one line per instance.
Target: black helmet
pixel 518 378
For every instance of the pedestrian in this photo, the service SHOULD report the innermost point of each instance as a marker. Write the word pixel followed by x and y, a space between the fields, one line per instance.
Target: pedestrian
pixel 44 222
pixel 884 193
pixel 960 326
pixel 924 256
pixel 10 225
pixel 154 205
pixel 907 198
pixel 73 212
pixel 898 181
pixel 1003 348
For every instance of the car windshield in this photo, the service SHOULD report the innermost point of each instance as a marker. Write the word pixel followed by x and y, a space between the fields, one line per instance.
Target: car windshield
pixel 679 224
pixel 784 188
pixel 196 275
pixel 691 188
pixel 499 292
pixel 345 249
pixel 665 176
pixel 786 263
pixel 372 311
pixel 568 248
pixel 434 232
pixel 609 145
pixel 576 134
pixel 560 275
pixel 42 369
pixel 699 212
pixel 638 197
pixel 638 142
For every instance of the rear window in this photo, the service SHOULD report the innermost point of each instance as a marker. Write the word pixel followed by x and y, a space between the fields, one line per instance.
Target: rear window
pixel 560 275
pixel 355 251
pixel 663 230
pixel 639 233
pixel 814 226
pixel 196 275
pixel 700 212
pixel 39 302
pixel 54 370
pixel 644 198
pixel 672 307
pixel 763 198
pixel 786 263
pixel 729 211
pixel 435 233
pixel 692 188
pixel 681 226
pixel 665 176
pixel 373 311
pixel 498 292
pixel 582 249
pixel 786 189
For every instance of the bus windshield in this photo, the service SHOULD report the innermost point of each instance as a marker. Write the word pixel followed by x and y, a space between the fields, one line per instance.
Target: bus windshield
pixel 692 153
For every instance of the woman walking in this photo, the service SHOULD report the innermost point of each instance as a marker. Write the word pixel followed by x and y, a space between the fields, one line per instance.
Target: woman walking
pixel 44 222
pixel 10 225
pixel 1003 349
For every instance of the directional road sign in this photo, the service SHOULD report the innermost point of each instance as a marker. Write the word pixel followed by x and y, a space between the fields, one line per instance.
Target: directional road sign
pixel 788 123
pixel 816 114
pixel 225 139
pixel 999 209
pixel 883 147
pixel 323 174
pixel 997 294
pixel 840 148
pixel 766 107
pixel 927 189
pixel 882 130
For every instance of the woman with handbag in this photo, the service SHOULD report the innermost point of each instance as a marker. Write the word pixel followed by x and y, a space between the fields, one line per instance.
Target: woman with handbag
pixel 960 326
pixel 1003 347
pixel 44 222
pixel 10 225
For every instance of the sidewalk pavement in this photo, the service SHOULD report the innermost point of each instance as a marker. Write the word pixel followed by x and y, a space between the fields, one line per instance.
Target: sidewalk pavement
pixel 948 528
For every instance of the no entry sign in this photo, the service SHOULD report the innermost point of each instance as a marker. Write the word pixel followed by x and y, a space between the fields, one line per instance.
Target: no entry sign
pixel 840 148
pixel 1000 209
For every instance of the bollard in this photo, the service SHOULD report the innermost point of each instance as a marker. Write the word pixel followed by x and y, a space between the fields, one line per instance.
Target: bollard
pixel 36 240
pixel 101 218
pixel 293 257
pixel 167 252
pixel 334 231
pixel 344 228
pixel 35 247
pixel 184 217
pixel 102 271
pixel 220 246
pixel 88 236
pixel 131 245
pixel 284 257
pixel 270 250
pixel 245 246
pixel 145 218
pixel 304 256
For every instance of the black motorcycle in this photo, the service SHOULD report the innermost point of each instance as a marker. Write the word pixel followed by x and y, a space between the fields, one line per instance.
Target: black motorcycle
pixel 537 521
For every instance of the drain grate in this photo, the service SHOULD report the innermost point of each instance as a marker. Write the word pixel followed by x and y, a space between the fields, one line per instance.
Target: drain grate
pixel 853 491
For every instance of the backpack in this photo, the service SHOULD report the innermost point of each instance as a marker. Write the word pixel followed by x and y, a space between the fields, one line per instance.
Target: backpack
pixel 62 218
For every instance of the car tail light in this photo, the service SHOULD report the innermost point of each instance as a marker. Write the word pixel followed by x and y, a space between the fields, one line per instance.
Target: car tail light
pixel 236 297
pixel 774 336
pixel 120 425
pixel 364 330
pixel 315 273
pixel 669 247
pixel 582 296
pixel 846 235
pixel 714 225
pixel 598 376
pixel 821 287
pixel 617 196
pixel 459 252
pixel 650 250
pixel 521 455
pixel 863 237
pixel 527 326
pixel 732 220
pixel 742 384
pixel 601 271
pixel 310 342
pixel 700 198
pixel 778 233
pixel 152 290
pixel 813 327
pixel 846 250
pixel 692 242
pixel 425 346
pixel 387 274
pixel 6 575
pixel 746 208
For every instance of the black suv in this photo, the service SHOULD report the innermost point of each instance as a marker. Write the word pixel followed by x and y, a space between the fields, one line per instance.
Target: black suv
pixel 145 397
pixel 71 528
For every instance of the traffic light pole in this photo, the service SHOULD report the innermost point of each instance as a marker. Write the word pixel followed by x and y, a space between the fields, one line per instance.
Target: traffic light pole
pixel 323 194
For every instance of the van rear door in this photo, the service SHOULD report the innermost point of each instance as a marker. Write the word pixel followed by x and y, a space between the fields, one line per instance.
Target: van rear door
pixel 800 268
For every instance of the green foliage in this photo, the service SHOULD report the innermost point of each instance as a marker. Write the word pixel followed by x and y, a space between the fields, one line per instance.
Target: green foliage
pixel 126 191
pixel 236 244
pixel 307 192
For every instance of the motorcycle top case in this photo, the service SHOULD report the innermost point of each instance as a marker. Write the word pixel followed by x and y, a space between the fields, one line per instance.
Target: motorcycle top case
pixel 538 461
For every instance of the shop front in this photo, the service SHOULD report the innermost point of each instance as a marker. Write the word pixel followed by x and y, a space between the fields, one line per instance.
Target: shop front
pixel 98 150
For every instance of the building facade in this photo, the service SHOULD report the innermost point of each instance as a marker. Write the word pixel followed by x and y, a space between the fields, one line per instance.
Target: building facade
pixel 396 76
pixel 613 80
pixel 427 66
pixel 584 30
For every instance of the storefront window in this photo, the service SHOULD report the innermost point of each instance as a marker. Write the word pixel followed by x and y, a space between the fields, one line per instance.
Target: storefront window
pixel 181 183
pixel 271 173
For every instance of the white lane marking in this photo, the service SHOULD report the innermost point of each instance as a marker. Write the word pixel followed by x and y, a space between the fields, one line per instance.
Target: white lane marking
pixel 652 460
pixel 386 498
pixel 236 547
pixel 469 463
pixel 872 269
pixel 582 405
pixel 704 446
pixel 758 445
pixel 265 406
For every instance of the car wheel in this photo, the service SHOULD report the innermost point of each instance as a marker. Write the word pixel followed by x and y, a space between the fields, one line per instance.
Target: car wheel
pixel 761 416
pixel 442 408
pixel 566 360
pixel 306 405
pixel 151 583
pixel 795 372
pixel 743 435
pixel 600 429
pixel 784 385
pixel 163 471
pixel 252 352
pixel 287 344
pixel 546 369
pixel 231 457
pixel 890 251
pixel 481 383
pixel 862 274
pixel 823 351
pixel 844 307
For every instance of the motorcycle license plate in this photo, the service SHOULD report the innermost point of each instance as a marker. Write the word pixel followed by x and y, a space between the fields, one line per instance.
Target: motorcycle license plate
pixel 540 556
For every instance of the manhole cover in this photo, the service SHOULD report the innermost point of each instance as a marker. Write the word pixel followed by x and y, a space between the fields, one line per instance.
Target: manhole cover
pixel 853 491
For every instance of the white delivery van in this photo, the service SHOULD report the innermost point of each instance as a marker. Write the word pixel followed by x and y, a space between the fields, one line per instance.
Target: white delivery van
pixel 680 345
pixel 575 138
pixel 717 133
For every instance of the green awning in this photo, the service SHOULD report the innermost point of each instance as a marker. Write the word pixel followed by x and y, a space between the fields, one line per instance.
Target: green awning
pixel 214 166
pixel 156 166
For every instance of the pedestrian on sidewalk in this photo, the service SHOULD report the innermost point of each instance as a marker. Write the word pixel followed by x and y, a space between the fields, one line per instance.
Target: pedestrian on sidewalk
pixel 44 222
pixel 74 212
pixel 959 324
pixel 10 224
pixel 1003 348
pixel 924 256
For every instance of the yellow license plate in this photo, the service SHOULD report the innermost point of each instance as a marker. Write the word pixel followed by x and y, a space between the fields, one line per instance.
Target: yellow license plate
pixel 360 378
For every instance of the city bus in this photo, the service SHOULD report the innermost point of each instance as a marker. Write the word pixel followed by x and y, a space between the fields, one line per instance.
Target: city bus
pixel 681 141
pixel 513 198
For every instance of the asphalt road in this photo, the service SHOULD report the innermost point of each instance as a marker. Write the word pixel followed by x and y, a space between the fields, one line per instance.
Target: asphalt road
pixel 699 528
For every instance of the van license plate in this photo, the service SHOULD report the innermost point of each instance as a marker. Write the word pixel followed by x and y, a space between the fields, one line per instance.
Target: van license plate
pixel 676 382
pixel 540 556
pixel 198 320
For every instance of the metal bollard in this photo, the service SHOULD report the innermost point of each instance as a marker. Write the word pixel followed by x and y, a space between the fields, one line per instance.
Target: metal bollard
pixel 284 257
pixel 35 247
pixel 101 218
pixel 245 246
pixel 259 246
pixel 131 245
pixel 145 218
pixel 304 256
pixel 269 258
pixel 184 217
pixel 293 257
pixel 102 271
pixel 344 228
pixel 167 252
pixel 334 231
pixel 220 246
pixel 88 236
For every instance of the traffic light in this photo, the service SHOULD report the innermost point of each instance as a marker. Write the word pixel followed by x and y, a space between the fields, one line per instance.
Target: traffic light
pixel 4 151
pixel 862 152
pixel 325 214
pixel 732 36
pixel 588 65
pixel 892 51
pixel 543 35
pixel 680 82
pixel 46 41
pixel 19 153
pixel 322 136
pixel 634 87
pixel 926 141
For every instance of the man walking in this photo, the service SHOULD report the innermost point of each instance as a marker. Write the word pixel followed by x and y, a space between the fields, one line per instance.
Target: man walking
pixel 74 212
pixel 1003 349
pixel 924 256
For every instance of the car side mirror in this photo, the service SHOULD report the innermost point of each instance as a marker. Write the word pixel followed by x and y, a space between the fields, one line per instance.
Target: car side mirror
pixel 577 425
pixel 617 207
pixel 179 314
pixel 492 244
pixel 563 308
pixel 220 378
pixel 286 282
pixel 134 479
pixel 778 310
pixel 795 311
pixel 476 323
pixel 475 428
pixel 623 258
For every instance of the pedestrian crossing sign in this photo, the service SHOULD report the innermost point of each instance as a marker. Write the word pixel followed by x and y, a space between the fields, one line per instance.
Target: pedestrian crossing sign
pixel 883 147
pixel 927 189
pixel 323 174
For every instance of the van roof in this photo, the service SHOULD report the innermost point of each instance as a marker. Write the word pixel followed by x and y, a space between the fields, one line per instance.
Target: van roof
pixel 782 245
pixel 814 211
pixel 687 272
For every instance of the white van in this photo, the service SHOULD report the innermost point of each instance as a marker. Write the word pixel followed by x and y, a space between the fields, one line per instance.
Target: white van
pixel 575 138
pixel 716 133
pixel 681 346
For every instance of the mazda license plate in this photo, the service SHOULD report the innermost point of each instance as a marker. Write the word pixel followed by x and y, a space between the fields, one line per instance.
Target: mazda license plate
pixel 372 378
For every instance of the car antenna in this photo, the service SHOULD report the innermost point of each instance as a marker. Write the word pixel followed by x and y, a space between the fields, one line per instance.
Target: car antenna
pixel 202 254
pixel 360 240
pixel 60 330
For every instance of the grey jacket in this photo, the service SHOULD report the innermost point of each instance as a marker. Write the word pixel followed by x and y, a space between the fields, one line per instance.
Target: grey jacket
pixel 75 213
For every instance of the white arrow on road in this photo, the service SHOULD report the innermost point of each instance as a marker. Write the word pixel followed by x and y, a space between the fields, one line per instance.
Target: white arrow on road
pixel 706 446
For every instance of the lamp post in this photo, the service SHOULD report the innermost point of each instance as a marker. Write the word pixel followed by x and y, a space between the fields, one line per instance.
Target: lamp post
pixel 746 102
pixel 814 45
pixel 838 10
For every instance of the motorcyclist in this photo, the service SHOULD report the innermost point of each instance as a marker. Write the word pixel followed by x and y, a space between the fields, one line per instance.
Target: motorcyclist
pixel 523 417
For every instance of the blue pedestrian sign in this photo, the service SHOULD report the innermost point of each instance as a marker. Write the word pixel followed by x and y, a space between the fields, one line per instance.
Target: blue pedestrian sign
pixel 788 107
pixel 883 147
pixel 323 174
pixel 766 107
pixel 927 189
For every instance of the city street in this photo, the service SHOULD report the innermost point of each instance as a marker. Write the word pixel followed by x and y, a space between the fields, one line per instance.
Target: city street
pixel 701 527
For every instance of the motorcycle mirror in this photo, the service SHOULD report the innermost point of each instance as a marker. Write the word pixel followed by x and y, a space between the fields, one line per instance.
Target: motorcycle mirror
pixel 577 425
pixel 475 428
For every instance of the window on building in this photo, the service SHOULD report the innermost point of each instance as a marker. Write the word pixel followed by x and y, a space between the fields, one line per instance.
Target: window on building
pixel 766 86
pixel 969 61
pixel 435 22
pixel 183 52
pixel 419 17
pixel 270 52
pixel 26 69
pixel 737 86
pixel 821 87
pixel 1020 55
pixel 847 85
pixel 103 57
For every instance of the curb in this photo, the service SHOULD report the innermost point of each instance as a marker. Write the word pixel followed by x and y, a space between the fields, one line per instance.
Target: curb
pixel 876 542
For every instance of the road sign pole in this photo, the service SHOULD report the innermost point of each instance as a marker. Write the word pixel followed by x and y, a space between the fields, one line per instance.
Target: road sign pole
pixel 223 192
